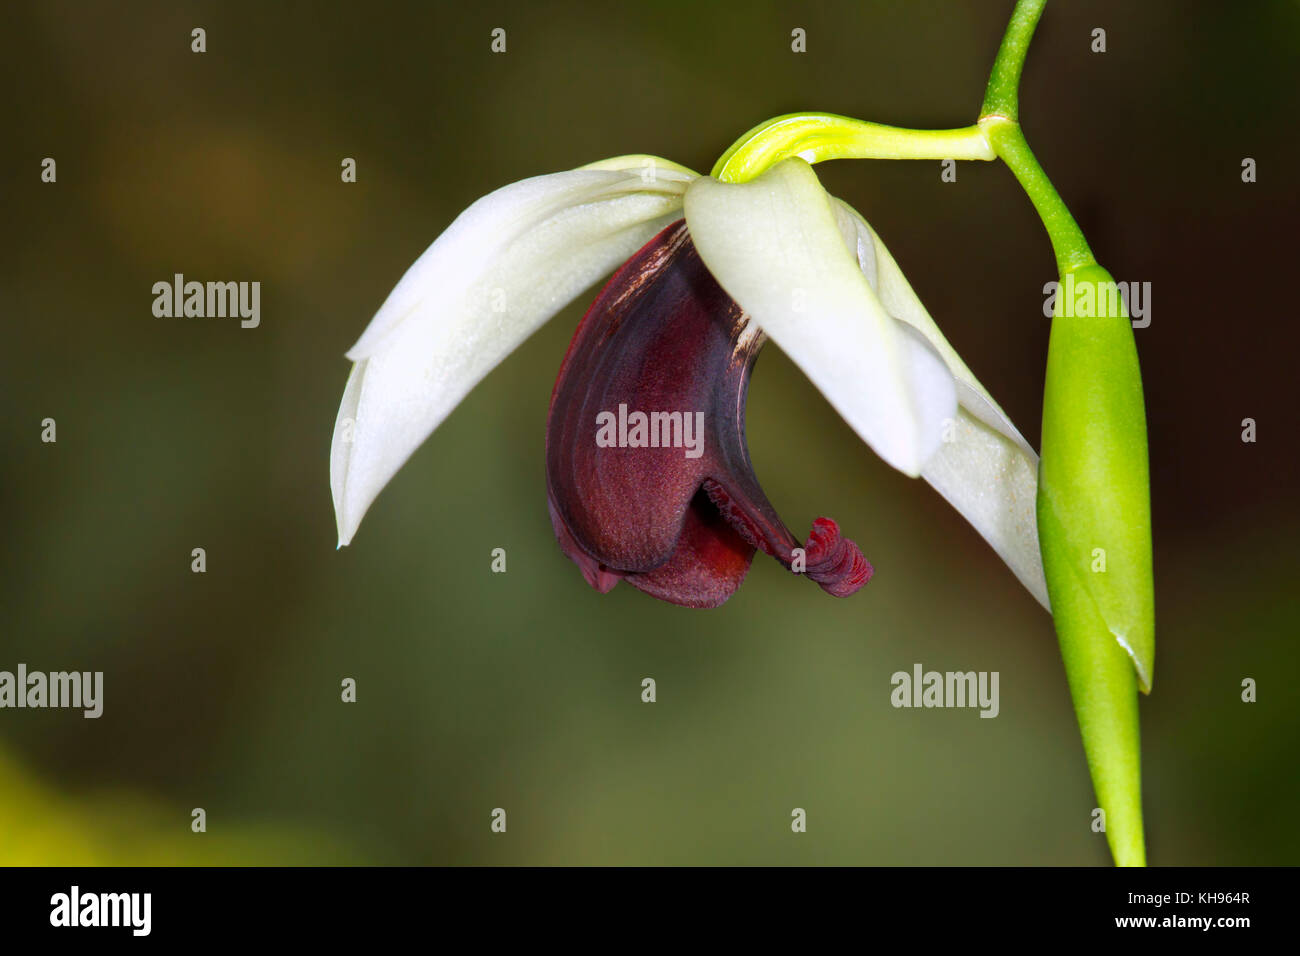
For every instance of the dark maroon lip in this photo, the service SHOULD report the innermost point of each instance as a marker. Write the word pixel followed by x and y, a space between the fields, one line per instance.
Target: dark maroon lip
pixel 664 337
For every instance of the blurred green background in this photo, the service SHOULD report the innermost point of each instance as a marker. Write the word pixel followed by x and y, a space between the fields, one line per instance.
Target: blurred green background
pixel 522 690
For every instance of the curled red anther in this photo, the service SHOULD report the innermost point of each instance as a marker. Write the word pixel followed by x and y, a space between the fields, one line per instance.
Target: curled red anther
pixel 835 562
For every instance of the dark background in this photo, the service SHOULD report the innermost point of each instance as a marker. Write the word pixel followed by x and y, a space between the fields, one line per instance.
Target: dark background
pixel 522 690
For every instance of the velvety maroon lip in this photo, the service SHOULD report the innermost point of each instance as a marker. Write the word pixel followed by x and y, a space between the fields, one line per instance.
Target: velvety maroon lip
pixel 663 336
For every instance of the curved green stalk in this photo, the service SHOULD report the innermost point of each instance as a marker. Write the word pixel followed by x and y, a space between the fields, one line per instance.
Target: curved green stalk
pixel 817 137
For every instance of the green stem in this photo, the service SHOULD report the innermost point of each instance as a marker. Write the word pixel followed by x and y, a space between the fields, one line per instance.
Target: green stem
pixel 1068 244
pixel 1000 120
pixel 1002 97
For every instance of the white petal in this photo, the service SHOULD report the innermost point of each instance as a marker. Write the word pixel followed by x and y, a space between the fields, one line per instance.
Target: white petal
pixel 506 265
pixel 994 484
pixel 984 467
pixel 775 245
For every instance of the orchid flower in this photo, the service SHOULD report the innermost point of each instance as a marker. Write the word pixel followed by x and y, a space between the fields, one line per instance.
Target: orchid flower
pixel 710 271
pixel 664 496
